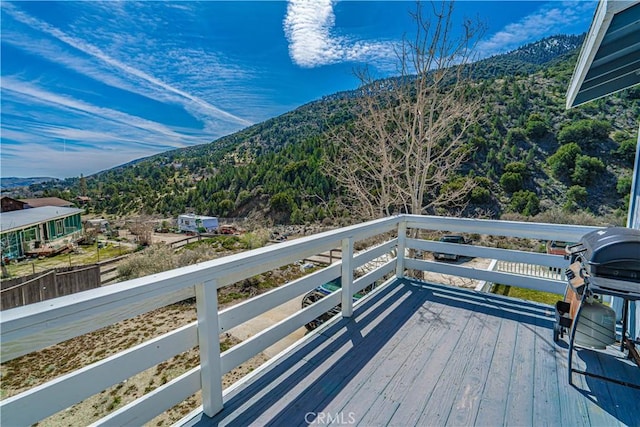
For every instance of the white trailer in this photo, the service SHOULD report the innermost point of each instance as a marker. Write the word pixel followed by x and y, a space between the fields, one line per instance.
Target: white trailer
pixel 191 223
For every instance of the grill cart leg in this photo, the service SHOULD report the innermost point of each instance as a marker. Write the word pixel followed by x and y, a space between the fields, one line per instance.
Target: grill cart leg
pixel 574 329
pixel 625 315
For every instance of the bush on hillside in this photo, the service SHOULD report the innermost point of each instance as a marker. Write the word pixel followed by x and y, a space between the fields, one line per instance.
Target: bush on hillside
pixel 536 128
pixel 623 187
pixel 576 197
pixel 480 195
pixel 562 162
pixel 586 132
pixel 511 182
pixel 516 167
pixel 627 151
pixel 524 202
pixel 586 170
pixel 515 135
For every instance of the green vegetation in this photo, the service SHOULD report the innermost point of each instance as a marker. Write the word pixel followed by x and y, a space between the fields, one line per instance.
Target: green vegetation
pixel 626 149
pixel 586 170
pixel 512 179
pixel 525 202
pixel 528 150
pixel 624 185
pixel 576 197
pixel 537 127
pixel 562 163
pixel 587 132
pixel 527 294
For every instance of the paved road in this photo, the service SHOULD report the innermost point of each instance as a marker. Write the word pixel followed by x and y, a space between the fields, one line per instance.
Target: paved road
pixel 257 324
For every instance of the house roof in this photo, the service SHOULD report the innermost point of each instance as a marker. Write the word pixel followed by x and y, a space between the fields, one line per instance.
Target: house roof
pixel 47 201
pixel 610 57
pixel 16 220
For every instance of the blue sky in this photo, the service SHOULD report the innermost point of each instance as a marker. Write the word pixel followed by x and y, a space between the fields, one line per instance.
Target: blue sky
pixel 90 85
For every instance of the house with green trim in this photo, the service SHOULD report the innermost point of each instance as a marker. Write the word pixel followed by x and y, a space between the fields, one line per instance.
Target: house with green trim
pixel 44 229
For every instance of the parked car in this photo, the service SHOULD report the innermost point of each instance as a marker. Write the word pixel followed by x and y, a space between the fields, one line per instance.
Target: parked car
pixel 556 247
pixel 450 239
pixel 321 292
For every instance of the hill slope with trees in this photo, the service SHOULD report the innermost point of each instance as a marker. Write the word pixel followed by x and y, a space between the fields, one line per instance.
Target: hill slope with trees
pixel 526 154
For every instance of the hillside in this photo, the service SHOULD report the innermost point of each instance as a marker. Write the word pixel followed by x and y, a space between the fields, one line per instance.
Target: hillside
pixel 528 154
pixel 15 182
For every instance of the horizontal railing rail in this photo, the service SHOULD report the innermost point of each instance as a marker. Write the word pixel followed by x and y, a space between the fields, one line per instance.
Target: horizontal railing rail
pixel 31 328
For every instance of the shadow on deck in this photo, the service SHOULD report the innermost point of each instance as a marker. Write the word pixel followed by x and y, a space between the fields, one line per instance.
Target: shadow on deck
pixel 421 354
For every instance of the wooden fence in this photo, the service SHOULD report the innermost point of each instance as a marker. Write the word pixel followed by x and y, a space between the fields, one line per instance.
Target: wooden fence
pixel 43 286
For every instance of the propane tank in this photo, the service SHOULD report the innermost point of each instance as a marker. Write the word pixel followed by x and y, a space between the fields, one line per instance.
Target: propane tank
pixel 596 327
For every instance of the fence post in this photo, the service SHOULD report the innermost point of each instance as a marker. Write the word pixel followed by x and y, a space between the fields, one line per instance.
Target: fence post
pixel 209 342
pixel 402 243
pixel 347 277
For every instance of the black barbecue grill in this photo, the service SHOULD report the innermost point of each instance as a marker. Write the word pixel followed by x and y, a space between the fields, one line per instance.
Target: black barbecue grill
pixel 604 262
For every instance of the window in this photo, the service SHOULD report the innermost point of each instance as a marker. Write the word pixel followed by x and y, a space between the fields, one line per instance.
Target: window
pixel 29 235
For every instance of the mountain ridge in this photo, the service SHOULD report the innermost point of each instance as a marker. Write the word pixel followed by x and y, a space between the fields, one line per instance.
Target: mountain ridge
pixel 274 168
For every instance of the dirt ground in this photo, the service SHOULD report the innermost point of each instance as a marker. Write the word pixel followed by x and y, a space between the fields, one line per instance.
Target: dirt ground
pixel 28 371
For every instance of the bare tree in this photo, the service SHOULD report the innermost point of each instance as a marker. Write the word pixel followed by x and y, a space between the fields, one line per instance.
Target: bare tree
pixel 408 136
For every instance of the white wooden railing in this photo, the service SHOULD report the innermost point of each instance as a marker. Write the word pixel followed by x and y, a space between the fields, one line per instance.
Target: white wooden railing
pixel 31 328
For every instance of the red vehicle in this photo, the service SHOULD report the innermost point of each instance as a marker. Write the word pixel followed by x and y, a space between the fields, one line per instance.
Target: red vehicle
pixel 555 247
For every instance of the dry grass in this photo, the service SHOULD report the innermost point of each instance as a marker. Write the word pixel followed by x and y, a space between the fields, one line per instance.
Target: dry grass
pixel 84 255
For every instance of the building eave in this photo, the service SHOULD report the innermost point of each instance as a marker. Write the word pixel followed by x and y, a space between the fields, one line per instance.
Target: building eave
pixel 609 60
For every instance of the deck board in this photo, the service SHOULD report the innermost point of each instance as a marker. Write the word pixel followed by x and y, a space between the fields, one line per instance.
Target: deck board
pixel 441 399
pixel 493 403
pixel 379 402
pixel 474 376
pixel 546 402
pixel 421 354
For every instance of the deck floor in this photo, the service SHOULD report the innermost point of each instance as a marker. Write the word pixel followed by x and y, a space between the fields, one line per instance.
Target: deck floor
pixel 427 355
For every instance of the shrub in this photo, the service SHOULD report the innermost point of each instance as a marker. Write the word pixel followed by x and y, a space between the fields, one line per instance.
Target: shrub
pixel 536 129
pixel 480 195
pixel 254 240
pixel 562 161
pixel 624 185
pixel 516 167
pixel 524 202
pixel 586 169
pixel 576 196
pixel 585 132
pixel 515 135
pixel 225 207
pixel 511 181
pixel 282 202
pixel 627 151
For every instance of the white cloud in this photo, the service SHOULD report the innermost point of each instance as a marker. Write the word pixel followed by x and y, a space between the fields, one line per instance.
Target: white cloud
pixel 53 127
pixel 308 27
pixel 124 124
pixel 548 20
pixel 188 100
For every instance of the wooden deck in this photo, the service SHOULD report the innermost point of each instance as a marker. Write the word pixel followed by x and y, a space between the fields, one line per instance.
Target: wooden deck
pixel 421 354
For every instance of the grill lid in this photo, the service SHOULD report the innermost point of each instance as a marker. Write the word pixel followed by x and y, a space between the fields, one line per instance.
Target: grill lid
pixel 612 252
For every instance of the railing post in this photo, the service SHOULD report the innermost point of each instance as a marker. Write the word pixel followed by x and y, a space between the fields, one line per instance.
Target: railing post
pixel 209 344
pixel 402 243
pixel 347 277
